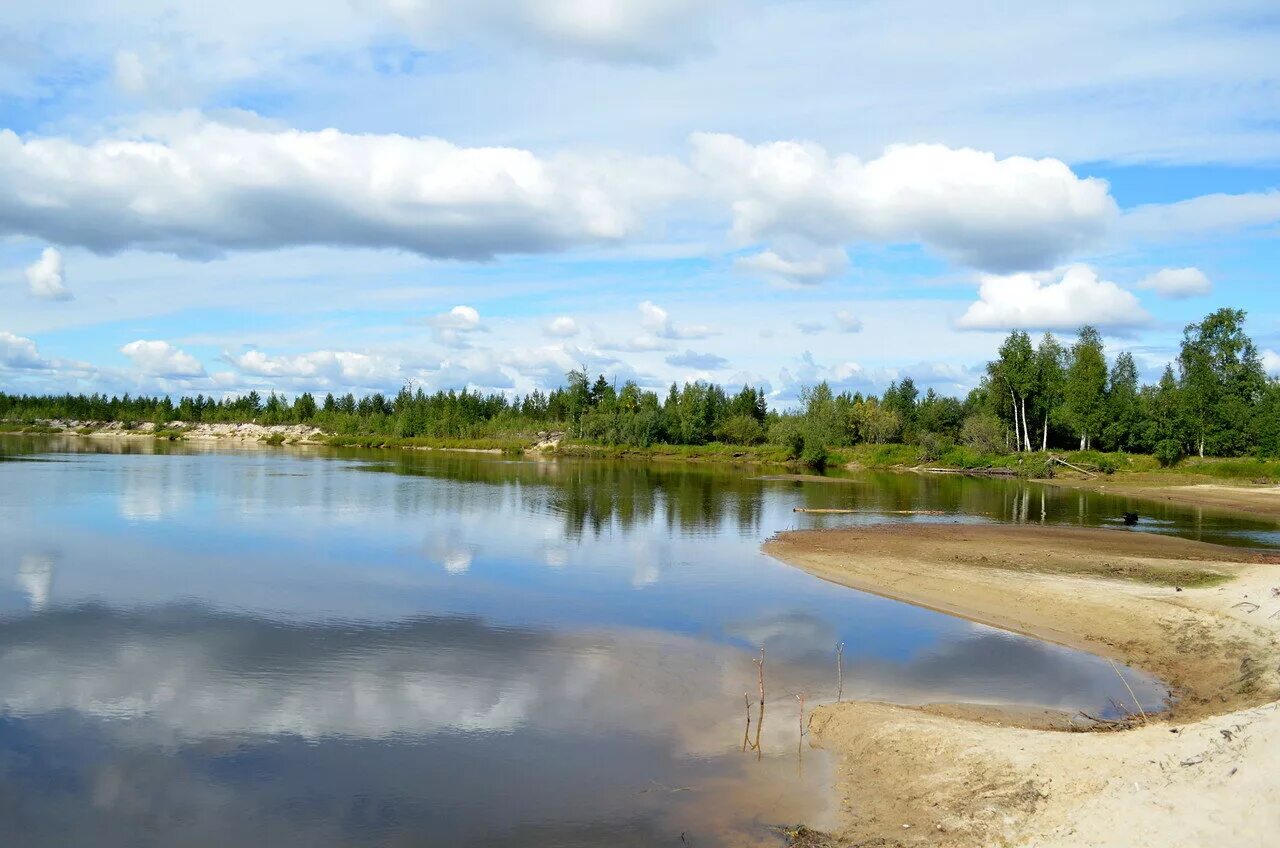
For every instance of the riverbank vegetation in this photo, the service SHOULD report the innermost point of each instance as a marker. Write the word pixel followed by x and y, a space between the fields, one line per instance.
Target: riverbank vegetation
pixel 1033 398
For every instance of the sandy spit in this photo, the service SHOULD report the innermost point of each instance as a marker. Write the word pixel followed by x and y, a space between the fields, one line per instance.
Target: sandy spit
pixel 1202 774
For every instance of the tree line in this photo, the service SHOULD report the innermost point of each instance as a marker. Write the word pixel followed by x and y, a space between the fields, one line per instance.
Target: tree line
pixel 1215 399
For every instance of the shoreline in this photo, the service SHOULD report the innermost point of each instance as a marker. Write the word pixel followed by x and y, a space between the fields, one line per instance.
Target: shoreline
pixel 964 775
pixel 1208 493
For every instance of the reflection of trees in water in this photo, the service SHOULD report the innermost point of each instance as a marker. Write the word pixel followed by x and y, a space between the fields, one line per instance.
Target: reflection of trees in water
pixel 591 496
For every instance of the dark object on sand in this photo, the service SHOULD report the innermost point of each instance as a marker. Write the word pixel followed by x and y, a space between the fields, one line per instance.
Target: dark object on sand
pixel 1130 519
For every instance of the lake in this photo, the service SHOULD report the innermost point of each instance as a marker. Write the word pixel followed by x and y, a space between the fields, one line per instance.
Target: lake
pixel 315 647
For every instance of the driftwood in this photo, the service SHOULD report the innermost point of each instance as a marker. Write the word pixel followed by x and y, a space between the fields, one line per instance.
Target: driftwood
pixel 972 472
pixel 1054 458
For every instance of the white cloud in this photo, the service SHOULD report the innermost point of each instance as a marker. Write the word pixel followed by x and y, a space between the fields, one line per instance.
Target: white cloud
pixel 778 269
pixel 656 320
pixel 130 73
pixel 161 359
pixel 996 214
pixel 1271 362
pixel 321 367
pixel 1178 283
pixel 561 327
pixel 847 322
pixel 635 31
pixel 45 278
pixel 701 361
pixel 453 327
pixel 194 187
pixel 1064 299
pixel 810 328
pixel 21 352
pixel 1201 216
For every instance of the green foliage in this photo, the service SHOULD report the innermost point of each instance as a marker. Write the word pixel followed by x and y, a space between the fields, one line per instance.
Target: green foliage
pixel 1168 453
pixel 740 430
pixel 814 455
pixel 983 432
pixel 1085 387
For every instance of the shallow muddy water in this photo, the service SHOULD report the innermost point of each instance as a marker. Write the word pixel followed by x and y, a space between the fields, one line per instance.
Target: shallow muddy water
pixel 324 648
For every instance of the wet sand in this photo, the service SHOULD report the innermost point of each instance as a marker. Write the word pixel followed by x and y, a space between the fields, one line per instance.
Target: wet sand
pixel 1204 618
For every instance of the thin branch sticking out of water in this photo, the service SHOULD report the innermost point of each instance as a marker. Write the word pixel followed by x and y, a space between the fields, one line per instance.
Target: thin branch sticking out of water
pixel 1141 711
pixel 840 672
pixel 760 669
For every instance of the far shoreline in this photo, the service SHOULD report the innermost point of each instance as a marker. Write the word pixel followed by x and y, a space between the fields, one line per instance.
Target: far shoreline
pixel 1180 485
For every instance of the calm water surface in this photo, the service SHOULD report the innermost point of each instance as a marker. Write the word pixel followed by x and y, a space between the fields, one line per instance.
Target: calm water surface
pixel 380 648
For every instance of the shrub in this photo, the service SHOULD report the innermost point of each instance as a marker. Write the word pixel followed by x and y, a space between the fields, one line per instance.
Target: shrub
pixel 933 446
pixel 984 433
pixel 740 430
pixel 1168 453
pixel 814 455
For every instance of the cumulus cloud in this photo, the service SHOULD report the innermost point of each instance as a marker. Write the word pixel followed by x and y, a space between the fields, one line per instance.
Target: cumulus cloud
pixel 45 276
pixel 994 214
pixel 1271 362
pixel 453 327
pixel 702 361
pixel 320 367
pixel 161 359
pixel 657 321
pixel 198 188
pixel 21 353
pixel 778 269
pixel 1177 283
pixel 810 328
pixel 561 327
pixel 629 31
pixel 1064 299
pixel 847 322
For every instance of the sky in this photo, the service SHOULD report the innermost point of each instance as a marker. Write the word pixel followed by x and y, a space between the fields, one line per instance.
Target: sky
pixel 356 195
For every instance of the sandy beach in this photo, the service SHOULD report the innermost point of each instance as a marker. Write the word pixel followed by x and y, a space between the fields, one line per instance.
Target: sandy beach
pixel 1203 618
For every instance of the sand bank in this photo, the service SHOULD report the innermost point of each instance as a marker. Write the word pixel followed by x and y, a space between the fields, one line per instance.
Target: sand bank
pixel 1204 618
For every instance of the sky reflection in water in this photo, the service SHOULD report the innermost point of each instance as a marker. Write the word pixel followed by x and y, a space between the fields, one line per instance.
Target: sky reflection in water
pixel 371 648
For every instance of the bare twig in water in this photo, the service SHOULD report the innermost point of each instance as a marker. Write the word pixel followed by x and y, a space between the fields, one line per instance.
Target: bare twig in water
pixel 1252 606
pixel 1141 711
pixel 746 734
pixel 840 672
pixel 760 668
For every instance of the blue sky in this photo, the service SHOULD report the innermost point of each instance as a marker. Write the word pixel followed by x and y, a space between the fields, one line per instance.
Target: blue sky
pixel 352 194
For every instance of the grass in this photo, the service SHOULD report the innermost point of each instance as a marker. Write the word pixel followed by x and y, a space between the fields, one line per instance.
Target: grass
pixel 1249 469
pixel 507 445
pixel 27 428
pixel 711 452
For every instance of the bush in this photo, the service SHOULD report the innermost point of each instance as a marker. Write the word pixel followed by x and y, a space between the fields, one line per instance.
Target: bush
pixel 1108 465
pixel 740 430
pixel 814 455
pixel 984 433
pixel 933 446
pixel 1168 453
